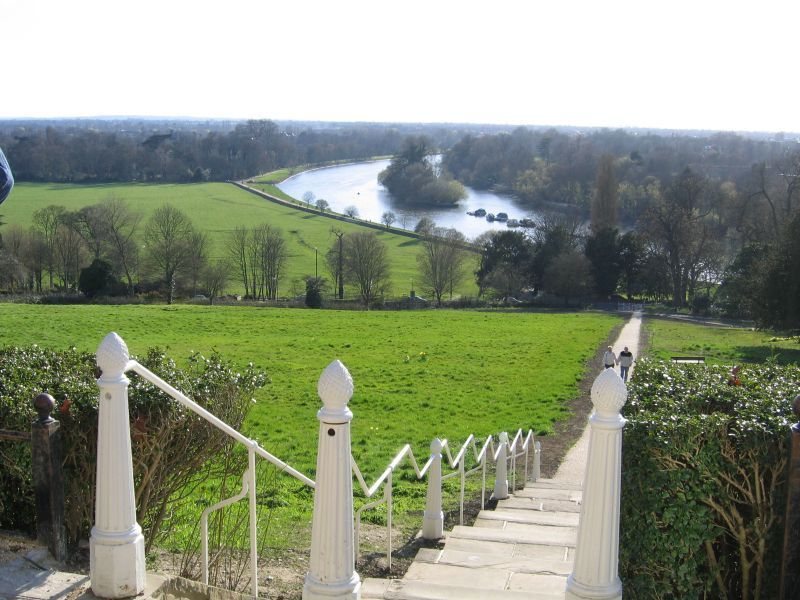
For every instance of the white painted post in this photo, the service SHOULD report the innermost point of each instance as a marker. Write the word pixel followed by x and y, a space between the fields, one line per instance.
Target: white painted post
pixel 332 573
pixel 595 573
pixel 501 469
pixel 116 545
pixel 537 461
pixel 433 520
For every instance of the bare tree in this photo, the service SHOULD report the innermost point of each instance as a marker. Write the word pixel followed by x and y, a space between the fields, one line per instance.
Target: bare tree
pixel 215 278
pixel 322 205
pixel 309 197
pixel 366 264
pixel 122 227
pixel 273 255
pixel 238 242
pixel 388 218
pixel 604 203
pixel 168 238
pixel 70 253
pixel 198 258
pixel 46 222
pixel 335 261
pixel 90 224
pixel 351 211
pixel 441 261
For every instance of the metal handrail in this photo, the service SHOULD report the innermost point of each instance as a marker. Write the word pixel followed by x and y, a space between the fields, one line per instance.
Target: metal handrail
pixel 248 478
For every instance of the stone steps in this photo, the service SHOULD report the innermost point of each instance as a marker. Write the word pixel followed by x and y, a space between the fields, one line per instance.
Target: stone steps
pixel 522 549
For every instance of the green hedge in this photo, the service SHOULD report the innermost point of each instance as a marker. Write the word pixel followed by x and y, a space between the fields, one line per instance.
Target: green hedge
pixel 703 480
pixel 171 445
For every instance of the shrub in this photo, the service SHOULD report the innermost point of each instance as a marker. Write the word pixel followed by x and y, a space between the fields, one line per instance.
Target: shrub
pixel 171 445
pixel 703 481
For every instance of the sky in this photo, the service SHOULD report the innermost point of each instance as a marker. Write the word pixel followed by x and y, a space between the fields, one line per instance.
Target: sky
pixel 699 64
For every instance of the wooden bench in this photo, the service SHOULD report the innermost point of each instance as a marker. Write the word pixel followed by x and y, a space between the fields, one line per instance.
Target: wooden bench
pixel 689 359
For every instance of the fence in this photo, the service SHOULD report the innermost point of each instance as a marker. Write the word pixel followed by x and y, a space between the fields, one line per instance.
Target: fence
pixel 47 475
pixel 117 545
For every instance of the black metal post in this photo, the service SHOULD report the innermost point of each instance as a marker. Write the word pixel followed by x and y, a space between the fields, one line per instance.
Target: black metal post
pixel 790 569
pixel 48 481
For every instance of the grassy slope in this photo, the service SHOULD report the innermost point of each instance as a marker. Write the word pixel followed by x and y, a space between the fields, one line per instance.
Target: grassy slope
pixel 719 345
pixel 481 371
pixel 218 208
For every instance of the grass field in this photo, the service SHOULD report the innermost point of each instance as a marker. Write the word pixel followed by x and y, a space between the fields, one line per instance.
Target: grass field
pixel 217 208
pixel 718 344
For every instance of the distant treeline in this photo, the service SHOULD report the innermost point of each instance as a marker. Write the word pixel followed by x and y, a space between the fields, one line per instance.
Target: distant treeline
pixel 551 167
pixel 88 151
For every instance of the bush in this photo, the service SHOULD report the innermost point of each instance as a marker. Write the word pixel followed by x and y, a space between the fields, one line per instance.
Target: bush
pixel 171 445
pixel 703 480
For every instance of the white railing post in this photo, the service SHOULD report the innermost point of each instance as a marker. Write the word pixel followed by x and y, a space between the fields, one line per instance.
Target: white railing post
pixel 501 469
pixel 331 574
pixel 433 521
pixel 595 571
pixel 116 545
pixel 537 461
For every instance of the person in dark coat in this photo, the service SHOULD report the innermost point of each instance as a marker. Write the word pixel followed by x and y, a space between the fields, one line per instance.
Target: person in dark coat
pixel 6 178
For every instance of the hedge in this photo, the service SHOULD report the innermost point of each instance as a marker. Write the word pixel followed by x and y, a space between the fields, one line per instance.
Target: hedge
pixel 171 445
pixel 703 480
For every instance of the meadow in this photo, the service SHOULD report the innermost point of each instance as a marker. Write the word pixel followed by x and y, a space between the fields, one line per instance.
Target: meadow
pixel 717 343
pixel 218 208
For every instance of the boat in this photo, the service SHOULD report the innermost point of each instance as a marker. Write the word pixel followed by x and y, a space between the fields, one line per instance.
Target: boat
pixel 480 213
pixel 502 217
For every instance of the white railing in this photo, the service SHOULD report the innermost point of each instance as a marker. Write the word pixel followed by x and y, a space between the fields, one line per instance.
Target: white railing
pixel 519 447
pixel 117 544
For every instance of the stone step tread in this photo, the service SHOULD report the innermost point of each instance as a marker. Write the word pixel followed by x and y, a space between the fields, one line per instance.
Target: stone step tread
pixel 519 533
pixel 551 560
pixel 538 504
pixel 510 549
pixel 553 484
pixel 402 589
pixel 550 494
pixel 557 518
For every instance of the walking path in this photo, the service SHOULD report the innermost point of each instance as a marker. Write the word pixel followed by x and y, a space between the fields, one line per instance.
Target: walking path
pixel 524 549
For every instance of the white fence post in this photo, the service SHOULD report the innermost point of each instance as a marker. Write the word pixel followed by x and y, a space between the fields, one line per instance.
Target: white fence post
pixel 433 521
pixel 537 461
pixel 332 573
pixel 116 545
pixel 595 571
pixel 501 469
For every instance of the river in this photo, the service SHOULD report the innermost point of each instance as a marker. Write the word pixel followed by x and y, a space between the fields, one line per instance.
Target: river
pixel 357 185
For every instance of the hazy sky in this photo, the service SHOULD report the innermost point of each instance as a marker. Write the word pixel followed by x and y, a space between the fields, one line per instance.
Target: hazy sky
pixel 664 64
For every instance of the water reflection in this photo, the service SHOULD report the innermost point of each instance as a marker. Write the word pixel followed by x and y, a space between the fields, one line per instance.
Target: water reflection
pixel 357 185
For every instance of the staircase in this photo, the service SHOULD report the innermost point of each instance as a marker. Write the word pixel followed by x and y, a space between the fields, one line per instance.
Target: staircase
pixel 522 549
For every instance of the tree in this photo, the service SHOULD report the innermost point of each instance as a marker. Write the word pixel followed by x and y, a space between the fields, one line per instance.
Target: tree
pixel 441 261
pixel 271 252
pixel 631 262
pixel 568 276
pixel 505 263
pixel 351 211
pixel 215 278
pixel 46 221
pixel 197 261
pixel 98 279
pixel 604 203
pixel 388 218
pixel 238 244
pixel 335 261
pixel 424 226
pixel 322 205
pixel 314 287
pixel 168 238
pixel 779 293
pixel 121 225
pixel 366 264
pixel 309 197
pixel 678 230
pixel 602 249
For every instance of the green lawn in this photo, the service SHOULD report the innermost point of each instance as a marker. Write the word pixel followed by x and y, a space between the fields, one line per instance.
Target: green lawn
pixel 218 208
pixel 718 344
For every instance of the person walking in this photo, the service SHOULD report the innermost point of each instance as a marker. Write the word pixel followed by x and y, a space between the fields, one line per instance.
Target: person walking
pixel 6 179
pixel 609 358
pixel 625 362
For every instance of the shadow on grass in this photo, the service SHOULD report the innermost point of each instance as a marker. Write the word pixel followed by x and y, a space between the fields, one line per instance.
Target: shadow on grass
pixel 760 354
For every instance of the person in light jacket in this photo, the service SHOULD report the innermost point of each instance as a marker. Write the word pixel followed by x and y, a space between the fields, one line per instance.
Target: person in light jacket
pixel 609 358
pixel 6 179
pixel 625 362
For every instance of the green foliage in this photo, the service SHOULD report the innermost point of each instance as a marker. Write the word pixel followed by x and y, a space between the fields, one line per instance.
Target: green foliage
pixel 703 480
pixel 171 445
pixel 98 279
